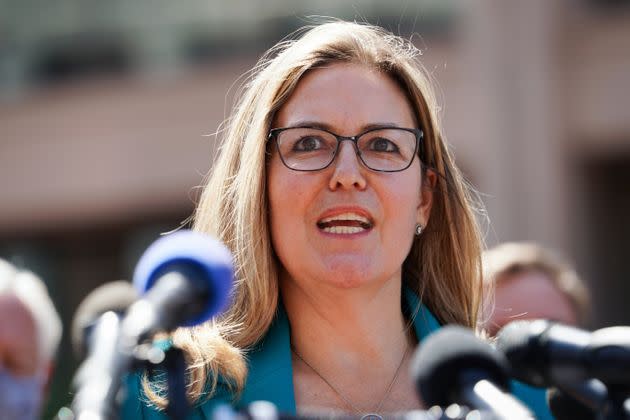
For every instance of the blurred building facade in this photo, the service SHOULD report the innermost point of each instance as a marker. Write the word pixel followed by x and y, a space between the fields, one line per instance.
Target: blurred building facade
pixel 107 111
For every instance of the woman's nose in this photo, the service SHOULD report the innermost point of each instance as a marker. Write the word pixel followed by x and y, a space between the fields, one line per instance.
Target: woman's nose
pixel 348 170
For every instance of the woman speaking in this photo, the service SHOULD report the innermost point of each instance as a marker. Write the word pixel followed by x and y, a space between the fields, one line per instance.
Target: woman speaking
pixel 353 233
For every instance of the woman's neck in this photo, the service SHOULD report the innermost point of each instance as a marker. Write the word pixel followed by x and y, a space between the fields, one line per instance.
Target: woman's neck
pixel 351 348
pixel 348 329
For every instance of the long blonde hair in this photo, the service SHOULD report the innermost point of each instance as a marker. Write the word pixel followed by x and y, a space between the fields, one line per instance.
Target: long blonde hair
pixel 443 266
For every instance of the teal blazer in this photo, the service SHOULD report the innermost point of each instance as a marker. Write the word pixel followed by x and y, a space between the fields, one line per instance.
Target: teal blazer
pixel 270 375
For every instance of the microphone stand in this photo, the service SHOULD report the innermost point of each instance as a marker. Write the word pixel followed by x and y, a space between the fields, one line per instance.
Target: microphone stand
pixel 89 403
pixel 170 362
pixel 175 364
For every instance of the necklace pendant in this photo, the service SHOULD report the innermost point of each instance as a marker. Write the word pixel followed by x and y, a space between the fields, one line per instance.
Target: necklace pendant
pixel 371 416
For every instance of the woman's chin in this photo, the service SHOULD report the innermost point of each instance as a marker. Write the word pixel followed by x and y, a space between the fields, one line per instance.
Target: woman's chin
pixel 343 281
pixel 349 273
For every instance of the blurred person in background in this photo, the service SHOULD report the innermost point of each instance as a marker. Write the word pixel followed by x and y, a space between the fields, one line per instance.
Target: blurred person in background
pixel 30 331
pixel 531 282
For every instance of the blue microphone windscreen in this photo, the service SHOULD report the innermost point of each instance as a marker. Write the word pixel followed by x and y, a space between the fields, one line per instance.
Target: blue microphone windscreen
pixel 203 253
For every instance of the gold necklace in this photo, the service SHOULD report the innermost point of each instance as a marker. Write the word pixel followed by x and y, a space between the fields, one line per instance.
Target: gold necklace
pixel 370 415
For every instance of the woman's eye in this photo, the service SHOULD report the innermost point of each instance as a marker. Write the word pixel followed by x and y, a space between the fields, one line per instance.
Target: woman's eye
pixel 383 145
pixel 307 144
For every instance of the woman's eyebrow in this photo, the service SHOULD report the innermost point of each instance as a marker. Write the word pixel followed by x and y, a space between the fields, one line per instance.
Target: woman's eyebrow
pixel 328 127
pixel 380 125
pixel 311 124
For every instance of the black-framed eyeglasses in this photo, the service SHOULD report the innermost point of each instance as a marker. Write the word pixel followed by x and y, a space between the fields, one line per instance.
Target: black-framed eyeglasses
pixel 383 149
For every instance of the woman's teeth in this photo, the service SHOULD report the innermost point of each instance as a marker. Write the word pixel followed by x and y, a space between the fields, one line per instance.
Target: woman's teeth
pixel 343 230
pixel 346 217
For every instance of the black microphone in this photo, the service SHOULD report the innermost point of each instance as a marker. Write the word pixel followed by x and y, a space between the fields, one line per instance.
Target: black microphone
pixel 565 406
pixel 591 395
pixel 543 353
pixel 186 278
pixel 454 366
pixel 115 296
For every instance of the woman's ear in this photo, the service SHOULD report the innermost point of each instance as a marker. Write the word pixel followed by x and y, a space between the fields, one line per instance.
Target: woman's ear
pixel 429 181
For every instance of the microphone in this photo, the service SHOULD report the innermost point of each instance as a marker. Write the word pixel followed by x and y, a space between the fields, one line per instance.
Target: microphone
pixel 590 396
pixel 546 354
pixel 115 296
pixel 186 278
pixel 578 402
pixel 95 329
pixel 454 366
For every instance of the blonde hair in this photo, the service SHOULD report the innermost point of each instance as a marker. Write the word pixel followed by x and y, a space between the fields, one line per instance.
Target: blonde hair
pixel 32 292
pixel 444 264
pixel 512 258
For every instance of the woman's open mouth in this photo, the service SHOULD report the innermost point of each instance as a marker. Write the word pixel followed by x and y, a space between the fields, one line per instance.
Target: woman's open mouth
pixel 345 224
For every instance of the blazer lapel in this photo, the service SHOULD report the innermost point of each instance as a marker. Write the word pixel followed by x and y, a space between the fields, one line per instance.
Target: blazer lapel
pixel 270 376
